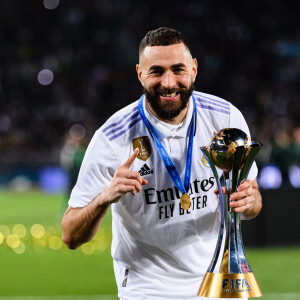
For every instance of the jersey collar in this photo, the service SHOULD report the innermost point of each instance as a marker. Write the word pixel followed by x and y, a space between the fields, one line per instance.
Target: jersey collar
pixel 164 130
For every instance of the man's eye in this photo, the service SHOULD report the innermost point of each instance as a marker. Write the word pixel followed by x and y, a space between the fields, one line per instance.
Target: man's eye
pixel 156 72
pixel 177 70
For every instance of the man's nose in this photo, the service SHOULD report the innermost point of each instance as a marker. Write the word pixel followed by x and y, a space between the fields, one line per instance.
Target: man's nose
pixel 168 80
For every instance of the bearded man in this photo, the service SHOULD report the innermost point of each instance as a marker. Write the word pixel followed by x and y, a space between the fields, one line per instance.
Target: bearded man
pixel 142 161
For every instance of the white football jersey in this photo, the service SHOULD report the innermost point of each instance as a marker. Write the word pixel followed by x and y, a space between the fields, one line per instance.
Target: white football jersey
pixel 160 251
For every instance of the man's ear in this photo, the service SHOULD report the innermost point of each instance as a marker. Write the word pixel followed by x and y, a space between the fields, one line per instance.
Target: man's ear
pixel 195 68
pixel 139 73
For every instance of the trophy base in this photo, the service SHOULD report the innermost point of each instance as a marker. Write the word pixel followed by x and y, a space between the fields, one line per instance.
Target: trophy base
pixel 224 285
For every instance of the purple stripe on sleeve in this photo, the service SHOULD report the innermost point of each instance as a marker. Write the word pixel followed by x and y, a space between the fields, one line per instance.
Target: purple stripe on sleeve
pixel 138 119
pixel 123 119
pixel 211 102
pixel 212 99
pixel 121 126
pixel 213 108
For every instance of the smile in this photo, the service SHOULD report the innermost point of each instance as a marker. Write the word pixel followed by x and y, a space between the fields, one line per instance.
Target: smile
pixel 169 95
pixel 173 96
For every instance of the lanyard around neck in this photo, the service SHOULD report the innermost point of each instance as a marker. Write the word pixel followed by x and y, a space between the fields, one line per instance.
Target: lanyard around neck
pixel 183 187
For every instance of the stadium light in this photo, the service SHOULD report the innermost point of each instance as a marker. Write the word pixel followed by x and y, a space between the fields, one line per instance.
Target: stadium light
pixel 45 77
pixel 294 176
pixel 270 177
pixel 53 179
pixel 51 4
pixel 77 132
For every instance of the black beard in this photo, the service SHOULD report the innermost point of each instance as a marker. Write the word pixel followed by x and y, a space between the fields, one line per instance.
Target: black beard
pixel 169 110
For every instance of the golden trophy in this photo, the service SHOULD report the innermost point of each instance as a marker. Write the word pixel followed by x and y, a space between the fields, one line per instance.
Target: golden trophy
pixel 229 274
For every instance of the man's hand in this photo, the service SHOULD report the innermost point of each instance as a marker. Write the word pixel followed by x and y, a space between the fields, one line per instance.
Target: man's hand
pixel 124 181
pixel 81 224
pixel 246 199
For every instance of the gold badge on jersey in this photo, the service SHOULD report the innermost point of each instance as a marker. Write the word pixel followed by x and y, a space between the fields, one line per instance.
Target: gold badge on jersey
pixel 204 161
pixel 144 146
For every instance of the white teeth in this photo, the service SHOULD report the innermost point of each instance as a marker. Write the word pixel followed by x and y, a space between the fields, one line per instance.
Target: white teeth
pixel 169 95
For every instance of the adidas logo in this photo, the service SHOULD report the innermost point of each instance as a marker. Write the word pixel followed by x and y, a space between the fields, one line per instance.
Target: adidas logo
pixel 145 170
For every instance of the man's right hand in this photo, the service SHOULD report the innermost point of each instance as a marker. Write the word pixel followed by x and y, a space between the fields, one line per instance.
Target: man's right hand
pixel 124 181
pixel 81 224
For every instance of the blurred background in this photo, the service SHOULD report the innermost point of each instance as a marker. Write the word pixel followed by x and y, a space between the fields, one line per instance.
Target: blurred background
pixel 66 66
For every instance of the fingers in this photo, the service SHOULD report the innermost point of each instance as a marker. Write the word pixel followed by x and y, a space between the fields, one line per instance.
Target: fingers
pixel 128 163
pixel 129 185
pixel 242 204
pixel 216 191
pixel 244 190
pixel 125 180
pixel 119 186
pixel 243 198
pixel 124 173
pixel 129 178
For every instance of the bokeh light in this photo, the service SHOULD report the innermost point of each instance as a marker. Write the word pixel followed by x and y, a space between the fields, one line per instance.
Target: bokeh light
pixel 53 179
pixel 88 248
pixel 101 240
pixel 45 77
pixel 100 244
pixel 20 249
pixel 270 177
pixel 4 230
pixel 55 243
pixel 51 4
pixel 13 241
pixel 37 231
pixel 77 132
pixel 294 175
pixel 20 183
pixel 19 230
pixel 46 237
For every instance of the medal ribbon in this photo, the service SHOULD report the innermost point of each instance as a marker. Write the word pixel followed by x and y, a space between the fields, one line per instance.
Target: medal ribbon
pixel 165 156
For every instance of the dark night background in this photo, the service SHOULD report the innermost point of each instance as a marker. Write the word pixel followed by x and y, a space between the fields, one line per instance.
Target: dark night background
pixel 248 53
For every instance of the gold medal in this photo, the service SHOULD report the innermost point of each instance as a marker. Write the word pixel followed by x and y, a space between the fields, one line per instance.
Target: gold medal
pixel 185 201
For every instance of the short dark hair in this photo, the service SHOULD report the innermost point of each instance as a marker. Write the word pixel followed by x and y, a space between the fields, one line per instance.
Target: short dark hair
pixel 162 36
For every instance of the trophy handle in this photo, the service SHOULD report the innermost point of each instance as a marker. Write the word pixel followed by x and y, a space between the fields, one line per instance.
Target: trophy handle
pixel 255 148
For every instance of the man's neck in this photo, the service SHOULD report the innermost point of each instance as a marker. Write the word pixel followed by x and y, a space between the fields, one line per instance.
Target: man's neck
pixel 176 120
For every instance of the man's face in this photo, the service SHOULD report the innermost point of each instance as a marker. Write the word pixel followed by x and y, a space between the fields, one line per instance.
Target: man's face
pixel 167 74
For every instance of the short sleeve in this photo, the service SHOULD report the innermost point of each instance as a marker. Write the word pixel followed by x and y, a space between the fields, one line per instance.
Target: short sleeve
pixel 237 120
pixel 98 167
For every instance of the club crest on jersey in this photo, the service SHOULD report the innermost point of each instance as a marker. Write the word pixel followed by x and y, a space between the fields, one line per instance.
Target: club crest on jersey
pixel 144 146
pixel 204 161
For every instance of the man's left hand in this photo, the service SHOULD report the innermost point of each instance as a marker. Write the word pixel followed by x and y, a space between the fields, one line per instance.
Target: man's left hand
pixel 246 200
pixel 244 197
